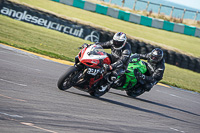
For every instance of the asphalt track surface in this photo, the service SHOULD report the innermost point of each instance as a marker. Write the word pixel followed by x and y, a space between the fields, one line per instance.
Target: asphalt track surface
pixel 30 102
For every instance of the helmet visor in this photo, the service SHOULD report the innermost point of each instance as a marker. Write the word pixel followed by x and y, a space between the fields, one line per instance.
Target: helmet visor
pixel 155 58
pixel 118 44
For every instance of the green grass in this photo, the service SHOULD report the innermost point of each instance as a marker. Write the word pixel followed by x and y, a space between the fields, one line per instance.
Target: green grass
pixel 181 78
pixel 187 44
pixel 38 39
pixel 58 45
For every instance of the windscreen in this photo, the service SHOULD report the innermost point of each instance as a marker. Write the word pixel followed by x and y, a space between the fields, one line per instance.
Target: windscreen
pixel 97 50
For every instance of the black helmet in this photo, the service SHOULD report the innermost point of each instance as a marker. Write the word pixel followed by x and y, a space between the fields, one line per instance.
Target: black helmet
pixel 156 55
pixel 119 40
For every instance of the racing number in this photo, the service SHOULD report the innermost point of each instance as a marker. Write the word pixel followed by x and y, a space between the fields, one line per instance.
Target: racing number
pixel 92 71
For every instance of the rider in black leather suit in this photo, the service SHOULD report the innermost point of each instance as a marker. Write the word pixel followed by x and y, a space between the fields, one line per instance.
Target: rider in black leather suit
pixel 155 68
pixel 120 54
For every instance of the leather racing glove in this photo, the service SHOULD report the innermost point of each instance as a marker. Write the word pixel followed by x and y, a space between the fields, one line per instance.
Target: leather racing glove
pixel 107 68
pixel 85 45
pixel 139 75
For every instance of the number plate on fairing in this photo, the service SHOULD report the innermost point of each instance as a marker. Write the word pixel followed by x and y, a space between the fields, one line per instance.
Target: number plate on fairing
pixel 93 71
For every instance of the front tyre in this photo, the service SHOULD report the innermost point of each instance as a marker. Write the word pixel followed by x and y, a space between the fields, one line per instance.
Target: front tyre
pixel 135 92
pixel 65 81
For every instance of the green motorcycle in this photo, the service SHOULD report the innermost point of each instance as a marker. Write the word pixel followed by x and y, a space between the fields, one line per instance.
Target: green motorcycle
pixel 128 81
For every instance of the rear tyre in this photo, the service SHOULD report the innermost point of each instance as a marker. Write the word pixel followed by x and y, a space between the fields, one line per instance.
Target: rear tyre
pixel 65 81
pixel 97 93
pixel 135 92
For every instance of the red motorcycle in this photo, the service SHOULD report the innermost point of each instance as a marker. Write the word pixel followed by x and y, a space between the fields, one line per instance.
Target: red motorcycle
pixel 87 73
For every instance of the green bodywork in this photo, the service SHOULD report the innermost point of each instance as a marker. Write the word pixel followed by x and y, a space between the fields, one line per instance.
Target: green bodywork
pixel 131 80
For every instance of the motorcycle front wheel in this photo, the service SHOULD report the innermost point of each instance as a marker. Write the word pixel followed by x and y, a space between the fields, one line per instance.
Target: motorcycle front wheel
pixel 65 81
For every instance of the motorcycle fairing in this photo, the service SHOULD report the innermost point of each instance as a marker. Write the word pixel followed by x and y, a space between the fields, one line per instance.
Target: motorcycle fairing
pixel 93 56
pixel 130 77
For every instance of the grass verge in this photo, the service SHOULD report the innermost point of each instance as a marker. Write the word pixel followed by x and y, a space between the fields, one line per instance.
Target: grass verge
pixel 58 45
pixel 175 41
pixel 38 39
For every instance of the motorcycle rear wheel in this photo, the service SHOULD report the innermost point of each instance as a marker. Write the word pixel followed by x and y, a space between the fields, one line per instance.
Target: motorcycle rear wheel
pixel 135 92
pixel 65 81
pixel 97 93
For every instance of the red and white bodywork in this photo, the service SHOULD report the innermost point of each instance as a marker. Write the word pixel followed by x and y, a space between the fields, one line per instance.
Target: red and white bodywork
pixel 93 56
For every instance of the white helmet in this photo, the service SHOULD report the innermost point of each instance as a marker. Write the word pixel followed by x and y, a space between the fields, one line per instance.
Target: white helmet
pixel 119 40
